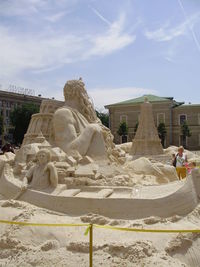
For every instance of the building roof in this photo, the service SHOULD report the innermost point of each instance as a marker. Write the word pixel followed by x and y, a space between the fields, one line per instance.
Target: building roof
pixel 189 105
pixel 151 98
pixel 12 96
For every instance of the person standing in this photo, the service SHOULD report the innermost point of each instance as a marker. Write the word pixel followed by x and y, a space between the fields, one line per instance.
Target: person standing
pixel 181 159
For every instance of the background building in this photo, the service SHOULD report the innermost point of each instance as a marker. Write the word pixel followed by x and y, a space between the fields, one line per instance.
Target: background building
pixel 10 100
pixel 165 109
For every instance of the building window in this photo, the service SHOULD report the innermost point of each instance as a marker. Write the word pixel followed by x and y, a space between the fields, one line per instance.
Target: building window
pixel 123 118
pixel 182 119
pixel 160 118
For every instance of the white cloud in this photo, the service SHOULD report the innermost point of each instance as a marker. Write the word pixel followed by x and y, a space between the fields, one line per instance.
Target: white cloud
pixel 105 96
pixel 194 36
pixel 55 17
pixel 24 52
pixel 114 39
pixel 100 16
pixel 21 7
pixel 167 33
pixel 26 8
pixel 46 51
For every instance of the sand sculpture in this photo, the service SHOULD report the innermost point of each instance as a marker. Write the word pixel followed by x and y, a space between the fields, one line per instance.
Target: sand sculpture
pixel 41 122
pixel 68 163
pixel 75 126
pixel 146 140
pixel 42 174
pixel 68 153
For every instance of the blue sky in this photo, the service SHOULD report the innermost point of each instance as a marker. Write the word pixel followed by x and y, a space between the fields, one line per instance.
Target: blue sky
pixel 121 48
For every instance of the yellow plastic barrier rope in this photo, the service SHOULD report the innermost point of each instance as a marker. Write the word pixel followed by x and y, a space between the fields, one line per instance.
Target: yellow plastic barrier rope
pixel 44 224
pixel 147 230
pixel 90 227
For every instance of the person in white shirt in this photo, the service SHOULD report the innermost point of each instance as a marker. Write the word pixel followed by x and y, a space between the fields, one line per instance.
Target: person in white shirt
pixel 181 159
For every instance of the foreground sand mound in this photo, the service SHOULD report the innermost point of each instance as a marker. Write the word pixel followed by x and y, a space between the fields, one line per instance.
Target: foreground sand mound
pixel 125 146
pixel 6 158
pixel 161 172
pixel 67 246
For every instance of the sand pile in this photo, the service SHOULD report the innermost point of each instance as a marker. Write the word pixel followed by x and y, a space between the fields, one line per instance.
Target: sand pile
pixel 152 172
pixel 45 246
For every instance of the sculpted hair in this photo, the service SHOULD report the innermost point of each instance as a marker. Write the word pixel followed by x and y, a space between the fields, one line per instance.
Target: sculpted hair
pixel 46 151
pixel 76 88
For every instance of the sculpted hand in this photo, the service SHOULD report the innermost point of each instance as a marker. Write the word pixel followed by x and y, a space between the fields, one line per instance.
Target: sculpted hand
pixel 24 187
pixel 50 166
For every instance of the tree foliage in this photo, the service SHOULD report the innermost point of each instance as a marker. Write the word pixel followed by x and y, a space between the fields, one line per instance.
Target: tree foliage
pixel 185 133
pixel 162 132
pixel 1 124
pixel 136 127
pixel 20 118
pixel 104 117
pixel 123 129
pixel 185 130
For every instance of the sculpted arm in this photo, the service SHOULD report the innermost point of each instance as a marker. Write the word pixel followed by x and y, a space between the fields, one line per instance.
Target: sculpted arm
pixel 83 142
pixel 27 179
pixel 64 129
pixel 53 175
pixel 66 135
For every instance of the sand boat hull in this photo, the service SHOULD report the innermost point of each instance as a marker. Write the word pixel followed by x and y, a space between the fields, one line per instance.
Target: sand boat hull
pixel 112 202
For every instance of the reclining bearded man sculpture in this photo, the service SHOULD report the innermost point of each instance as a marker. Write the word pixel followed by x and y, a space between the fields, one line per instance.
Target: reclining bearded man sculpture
pixel 75 125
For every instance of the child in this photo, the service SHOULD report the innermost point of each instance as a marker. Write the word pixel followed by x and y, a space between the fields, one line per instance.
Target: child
pixel 189 166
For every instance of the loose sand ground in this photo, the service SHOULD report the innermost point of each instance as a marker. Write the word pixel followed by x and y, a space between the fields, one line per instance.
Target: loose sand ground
pixel 53 246
pixel 68 246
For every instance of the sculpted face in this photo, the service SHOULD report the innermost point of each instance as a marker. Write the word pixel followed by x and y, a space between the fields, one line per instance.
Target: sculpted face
pixel 42 158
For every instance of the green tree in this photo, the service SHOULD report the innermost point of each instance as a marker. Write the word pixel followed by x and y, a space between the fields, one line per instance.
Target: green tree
pixel 1 129
pixel 123 131
pixel 162 132
pixel 135 128
pixel 104 117
pixel 20 118
pixel 1 124
pixel 185 130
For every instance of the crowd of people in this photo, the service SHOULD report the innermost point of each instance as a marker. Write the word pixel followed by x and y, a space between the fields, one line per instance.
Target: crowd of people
pixel 7 148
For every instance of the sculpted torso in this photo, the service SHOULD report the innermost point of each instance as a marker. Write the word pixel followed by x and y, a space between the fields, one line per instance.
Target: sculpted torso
pixel 73 133
pixel 43 174
pixel 39 177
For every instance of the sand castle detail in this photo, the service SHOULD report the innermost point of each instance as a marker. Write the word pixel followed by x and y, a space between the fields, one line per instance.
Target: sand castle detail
pixel 146 140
